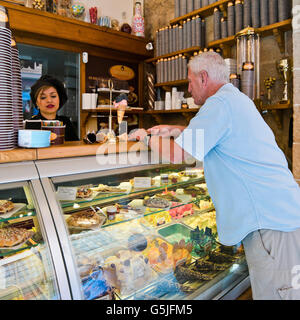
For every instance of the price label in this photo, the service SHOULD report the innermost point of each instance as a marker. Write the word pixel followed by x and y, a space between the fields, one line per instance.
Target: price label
pixel 66 193
pixel 142 182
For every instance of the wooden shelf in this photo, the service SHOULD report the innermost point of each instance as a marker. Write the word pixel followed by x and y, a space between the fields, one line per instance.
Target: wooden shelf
pixel 107 110
pixel 98 110
pixel 171 111
pixel 277 111
pixel 40 24
pixel 187 52
pixel 172 83
pixel 277 106
pixel 271 29
pixel 202 12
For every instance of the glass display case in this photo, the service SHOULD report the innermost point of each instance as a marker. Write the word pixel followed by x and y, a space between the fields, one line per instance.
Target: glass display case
pixel 106 228
pixel 142 232
pixel 31 264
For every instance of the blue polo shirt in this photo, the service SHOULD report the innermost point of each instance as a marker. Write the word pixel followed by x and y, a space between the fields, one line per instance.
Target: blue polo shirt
pixel 246 173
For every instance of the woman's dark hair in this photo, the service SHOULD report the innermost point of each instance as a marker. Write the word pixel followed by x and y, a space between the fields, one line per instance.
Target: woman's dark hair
pixel 48 81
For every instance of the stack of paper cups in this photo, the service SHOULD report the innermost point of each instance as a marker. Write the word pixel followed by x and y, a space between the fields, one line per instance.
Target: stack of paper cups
pixel 89 101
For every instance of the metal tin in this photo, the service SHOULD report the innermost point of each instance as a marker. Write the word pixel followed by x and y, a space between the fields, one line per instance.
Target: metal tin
pixel 156 43
pixel 255 13
pixel 167 40
pixel 180 38
pixel 247 13
pixel 284 10
pixel 169 70
pixel 264 12
pixel 198 31
pixel 177 8
pixel 203 33
pixel 217 24
pixel 224 33
pixel 193 32
pixel 273 11
pixel 231 19
pixel 238 16
pixel 183 7
pixel 189 33
pixel 190 5
pixel 184 67
pixel 197 4
pixel 176 68
pixel 205 3
pixel 174 38
pixel 180 62
pixel 184 34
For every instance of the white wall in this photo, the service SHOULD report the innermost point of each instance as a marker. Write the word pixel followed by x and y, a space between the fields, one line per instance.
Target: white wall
pixel 111 8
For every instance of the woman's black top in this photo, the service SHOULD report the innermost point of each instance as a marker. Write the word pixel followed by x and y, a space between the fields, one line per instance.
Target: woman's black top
pixel 70 132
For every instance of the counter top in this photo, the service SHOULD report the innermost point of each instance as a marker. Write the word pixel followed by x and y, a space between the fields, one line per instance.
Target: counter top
pixel 69 149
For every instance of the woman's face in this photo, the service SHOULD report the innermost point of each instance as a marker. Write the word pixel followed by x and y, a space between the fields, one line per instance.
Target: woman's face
pixel 48 102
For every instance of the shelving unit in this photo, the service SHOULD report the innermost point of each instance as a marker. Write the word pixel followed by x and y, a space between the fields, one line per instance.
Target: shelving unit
pixel 202 12
pixel 187 52
pixel 277 106
pixel 277 111
pixel 187 113
pixel 277 29
pixel 172 83
pixel 113 90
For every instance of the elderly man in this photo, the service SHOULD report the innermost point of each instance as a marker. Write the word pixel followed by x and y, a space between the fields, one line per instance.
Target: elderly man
pixel 256 198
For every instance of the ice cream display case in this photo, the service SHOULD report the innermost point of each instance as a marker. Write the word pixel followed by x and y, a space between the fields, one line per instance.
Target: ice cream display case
pixel 31 263
pixel 100 228
pixel 140 232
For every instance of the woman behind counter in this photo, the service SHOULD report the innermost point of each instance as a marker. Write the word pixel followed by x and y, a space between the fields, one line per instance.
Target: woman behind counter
pixel 49 95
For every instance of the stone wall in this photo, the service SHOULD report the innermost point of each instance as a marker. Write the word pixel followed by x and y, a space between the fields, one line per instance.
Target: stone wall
pixel 159 13
pixel 296 93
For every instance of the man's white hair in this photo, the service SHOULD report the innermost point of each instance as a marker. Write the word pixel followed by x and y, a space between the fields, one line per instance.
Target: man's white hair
pixel 213 64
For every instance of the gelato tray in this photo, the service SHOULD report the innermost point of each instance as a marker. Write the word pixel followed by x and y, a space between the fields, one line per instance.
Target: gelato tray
pixel 175 232
pixel 204 269
pixel 156 219
pixel 164 257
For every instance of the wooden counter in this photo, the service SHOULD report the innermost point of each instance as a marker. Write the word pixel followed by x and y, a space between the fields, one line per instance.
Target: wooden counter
pixel 69 149
pixel 17 155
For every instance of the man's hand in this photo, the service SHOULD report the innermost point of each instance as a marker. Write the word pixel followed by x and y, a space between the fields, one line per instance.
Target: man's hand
pixel 138 134
pixel 166 131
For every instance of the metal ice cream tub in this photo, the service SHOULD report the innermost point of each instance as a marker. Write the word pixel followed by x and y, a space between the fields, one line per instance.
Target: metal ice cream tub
pixel 175 232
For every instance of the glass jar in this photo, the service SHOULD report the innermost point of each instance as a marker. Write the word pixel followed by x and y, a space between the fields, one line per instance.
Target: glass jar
pixel 164 178
pixel 63 8
pixel 78 11
pixel 111 212
pixel 39 4
pixel 49 5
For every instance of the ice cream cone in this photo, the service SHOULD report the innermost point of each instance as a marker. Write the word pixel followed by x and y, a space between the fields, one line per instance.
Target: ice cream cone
pixel 121 111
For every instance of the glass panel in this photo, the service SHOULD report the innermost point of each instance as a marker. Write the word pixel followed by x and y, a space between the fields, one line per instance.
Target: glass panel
pixel 149 234
pixel 63 65
pixel 26 270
